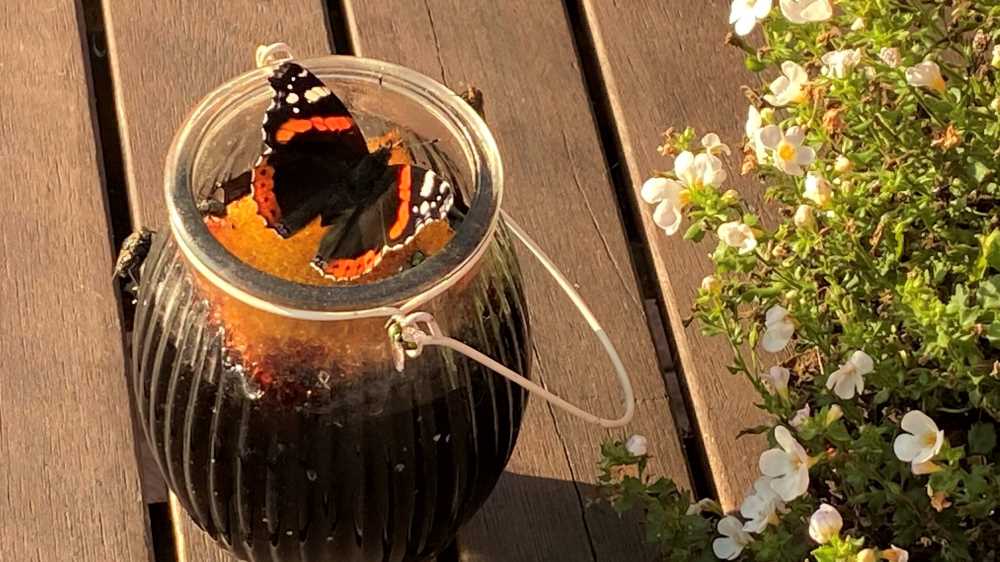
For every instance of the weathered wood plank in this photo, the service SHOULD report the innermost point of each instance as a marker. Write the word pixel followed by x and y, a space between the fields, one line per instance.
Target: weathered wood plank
pixel 521 54
pixel 69 485
pixel 160 71
pixel 664 64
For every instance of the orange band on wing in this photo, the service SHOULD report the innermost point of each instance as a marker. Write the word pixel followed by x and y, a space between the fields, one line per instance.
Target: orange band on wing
pixel 403 212
pixel 294 127
pixel 344 269
pixel 263 192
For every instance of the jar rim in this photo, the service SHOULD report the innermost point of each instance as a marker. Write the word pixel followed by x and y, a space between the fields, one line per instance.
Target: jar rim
pixel 381 297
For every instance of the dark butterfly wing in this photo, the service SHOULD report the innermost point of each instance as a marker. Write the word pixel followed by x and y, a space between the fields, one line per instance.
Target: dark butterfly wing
pixel 310 140
pixel 358 238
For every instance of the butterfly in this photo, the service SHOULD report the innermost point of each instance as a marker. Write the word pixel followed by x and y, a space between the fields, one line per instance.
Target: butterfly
pixel 316 163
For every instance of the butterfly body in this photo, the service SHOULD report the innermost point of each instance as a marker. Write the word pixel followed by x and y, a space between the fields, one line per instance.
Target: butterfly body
pixel 316 163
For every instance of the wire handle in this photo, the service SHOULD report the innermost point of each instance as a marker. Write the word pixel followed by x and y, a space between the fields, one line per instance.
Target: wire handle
pixel 410 333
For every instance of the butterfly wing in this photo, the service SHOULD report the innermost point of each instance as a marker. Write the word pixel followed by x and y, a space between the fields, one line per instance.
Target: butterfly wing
pixel 358 238
pixel 310 140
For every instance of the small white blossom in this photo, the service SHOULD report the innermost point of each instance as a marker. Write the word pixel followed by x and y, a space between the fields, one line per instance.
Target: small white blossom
pixel 858 24
pixel 754 124
pixel 704 504
pixel 710 284
pixel 733 540
pixel 818 190
pixel 806 11
pixel 738 235
pixel 922 440
pixel 867 555
pixel 804 218
pixel 776 378
pixel 801 417
pixel 788 88
pixel 744 14
pixel 637 445
pixel 890 56
pixel 778 329
pixel 701 170
pixel 789 154
pixel 849 379
pixel 825 524
pixel 788 466
pixel 839 64
pixel 714 145
pixel 896 554
pixel 761 507
pixel 669 197
pixel 926 75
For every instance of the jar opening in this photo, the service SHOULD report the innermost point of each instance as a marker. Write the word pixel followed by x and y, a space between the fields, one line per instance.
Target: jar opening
pixel 221 139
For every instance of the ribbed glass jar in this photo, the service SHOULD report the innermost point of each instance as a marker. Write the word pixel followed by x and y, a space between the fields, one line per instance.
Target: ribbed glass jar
pixel 274 409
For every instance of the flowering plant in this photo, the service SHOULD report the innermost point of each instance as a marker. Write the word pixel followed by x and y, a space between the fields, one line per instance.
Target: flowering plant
pixel 868 318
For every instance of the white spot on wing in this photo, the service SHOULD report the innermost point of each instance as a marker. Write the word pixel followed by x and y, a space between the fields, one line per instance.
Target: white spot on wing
pixel 425 208
pixel 316 93
pixel 292 98
pixel 295 110
pixel 428 187
pixel 304 73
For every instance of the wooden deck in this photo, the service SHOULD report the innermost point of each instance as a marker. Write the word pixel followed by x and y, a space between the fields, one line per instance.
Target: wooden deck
pixel 577 93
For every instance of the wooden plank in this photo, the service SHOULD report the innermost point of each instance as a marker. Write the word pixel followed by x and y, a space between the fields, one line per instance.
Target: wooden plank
pixel 205 44
pixel 521 54
pixel 69 485
pixel 664 64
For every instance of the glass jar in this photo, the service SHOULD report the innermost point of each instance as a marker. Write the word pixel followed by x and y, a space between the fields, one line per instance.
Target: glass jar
pixel 275 409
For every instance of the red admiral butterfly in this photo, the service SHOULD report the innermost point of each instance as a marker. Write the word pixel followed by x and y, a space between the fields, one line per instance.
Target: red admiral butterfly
pixel 316 162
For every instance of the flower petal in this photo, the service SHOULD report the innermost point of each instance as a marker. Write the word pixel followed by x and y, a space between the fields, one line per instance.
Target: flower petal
pixel 730 526
pixel 654 190
pixel 745 24
pixel 774 315
pixel 762 8
pixel 683 163
pixel 795 135
pixel 726 548
pixel 787 441
pixel 795 73
pixel 668 217
pixel 917 422
pixel 775 463
pixel 770 136
pixel 847 385
pixel 862 362
pixel 791 486
pixel 774 340
pixel 906 447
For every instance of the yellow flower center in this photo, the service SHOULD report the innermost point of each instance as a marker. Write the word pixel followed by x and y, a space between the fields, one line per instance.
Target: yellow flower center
pixel 929 439
pixel 937 84
pixel 785 150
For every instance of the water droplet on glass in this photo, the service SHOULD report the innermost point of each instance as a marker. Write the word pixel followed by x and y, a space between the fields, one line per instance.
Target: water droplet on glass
pixel 324 379
pixel 311 475
pixel 400 467
pixel 437 438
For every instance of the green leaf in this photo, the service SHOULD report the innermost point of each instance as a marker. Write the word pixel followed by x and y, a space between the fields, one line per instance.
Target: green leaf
pixel 980 171
pixel 989 254
pixel 982 438
pixel 988 294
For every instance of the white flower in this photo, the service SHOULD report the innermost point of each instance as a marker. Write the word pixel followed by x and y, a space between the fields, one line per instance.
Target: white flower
pixel 738 235
pixel 788 466
pixel 696 171
pixel 842 165
pixel 637 445
pixel 922 440
pixel 733 539
pixel 858 24
pixel 926 75
pixel 788 88
pixel 849 379
pixel 818 190
pixel 754 124
pixel 867 555
pixel 801 417
pixel 704 504
pixel 710 284
pixel 779 329
pixel 761 507
pixel 896 554
pixel 805 11
pixel 669 197
pixel 776 378
pixel 714 146
pixel 825 524
pixel 839 64
pixel 890 56
pixel 804 218
pixel 744 14
pixel 789 154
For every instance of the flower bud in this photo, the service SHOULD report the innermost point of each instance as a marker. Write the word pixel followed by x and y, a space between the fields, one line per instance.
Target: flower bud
pixel 637 445
pixel 842 165
pixel 730 197
pixel 767 115
pixel 867 555
pixel 834 414
pixel 825 524
pixel 858 24
pixel 995 105
pixel 711 284
pixel 995 62
pixel 805 218
pixel 818 190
